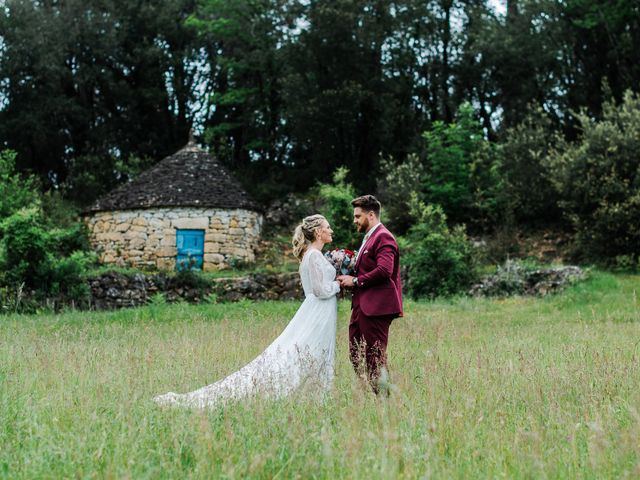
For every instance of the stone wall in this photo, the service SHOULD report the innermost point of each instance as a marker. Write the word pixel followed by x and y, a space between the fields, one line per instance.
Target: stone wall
pixel 513 279
pixel 147 238
pixel 116 290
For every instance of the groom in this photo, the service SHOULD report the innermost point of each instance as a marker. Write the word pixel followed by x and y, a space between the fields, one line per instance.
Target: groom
pixel 377 292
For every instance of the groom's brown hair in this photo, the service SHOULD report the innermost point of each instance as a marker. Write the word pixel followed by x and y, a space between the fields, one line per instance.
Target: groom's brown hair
pixel 367 203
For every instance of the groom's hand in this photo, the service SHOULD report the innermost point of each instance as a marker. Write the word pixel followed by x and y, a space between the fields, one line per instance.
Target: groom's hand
pixel 345 280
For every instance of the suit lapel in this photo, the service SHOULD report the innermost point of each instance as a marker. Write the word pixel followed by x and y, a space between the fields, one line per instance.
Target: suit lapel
pixel 364 247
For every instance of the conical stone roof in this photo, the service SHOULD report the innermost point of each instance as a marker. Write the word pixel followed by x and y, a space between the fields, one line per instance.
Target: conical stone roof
pixel 189 178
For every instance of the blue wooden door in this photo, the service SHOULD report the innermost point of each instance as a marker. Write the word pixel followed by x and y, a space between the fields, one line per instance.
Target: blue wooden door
pixel 190 245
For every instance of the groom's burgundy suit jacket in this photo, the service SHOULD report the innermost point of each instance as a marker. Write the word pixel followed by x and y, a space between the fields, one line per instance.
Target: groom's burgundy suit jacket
pixel 379 291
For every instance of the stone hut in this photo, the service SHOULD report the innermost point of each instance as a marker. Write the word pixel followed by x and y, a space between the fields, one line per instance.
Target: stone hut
pixel 186 211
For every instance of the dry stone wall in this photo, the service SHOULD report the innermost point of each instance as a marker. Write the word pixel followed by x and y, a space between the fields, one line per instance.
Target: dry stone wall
pixel 147 238
pixel 114 290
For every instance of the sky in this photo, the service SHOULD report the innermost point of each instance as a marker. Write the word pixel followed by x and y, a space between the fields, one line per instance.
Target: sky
pixel 500 6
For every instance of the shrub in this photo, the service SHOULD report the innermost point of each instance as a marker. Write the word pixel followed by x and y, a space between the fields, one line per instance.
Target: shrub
pixel 63 278
pixel 158 299
pixel 59 211
pixel 523 155
pixel 625 263
pixel 286 212
pixel 440 260
pixel 235 263
pixel 335 199
pixel 70 239
pixel 16 192
pixel 462 171
pixel 11 298
pixel 192 279
pixel 598 178
pixel 44 260
pixel 490 199
pixel 42 243
pixel 396 184
pixel 26 244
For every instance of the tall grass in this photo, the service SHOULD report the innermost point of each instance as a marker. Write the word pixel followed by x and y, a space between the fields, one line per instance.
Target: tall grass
pixel 517 388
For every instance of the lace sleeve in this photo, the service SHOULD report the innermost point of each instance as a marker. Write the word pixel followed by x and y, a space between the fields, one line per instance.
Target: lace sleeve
pixel 320 287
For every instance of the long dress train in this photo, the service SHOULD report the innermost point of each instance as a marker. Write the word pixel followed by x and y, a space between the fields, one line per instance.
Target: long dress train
pixel 303 356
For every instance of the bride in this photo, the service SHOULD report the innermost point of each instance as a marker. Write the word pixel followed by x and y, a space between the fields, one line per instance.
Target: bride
pixel 303 355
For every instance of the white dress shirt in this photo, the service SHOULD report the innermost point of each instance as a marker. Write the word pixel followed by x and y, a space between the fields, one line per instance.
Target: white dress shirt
pixel 364 240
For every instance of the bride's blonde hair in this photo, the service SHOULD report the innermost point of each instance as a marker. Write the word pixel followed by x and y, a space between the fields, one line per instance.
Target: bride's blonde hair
pixel 305 233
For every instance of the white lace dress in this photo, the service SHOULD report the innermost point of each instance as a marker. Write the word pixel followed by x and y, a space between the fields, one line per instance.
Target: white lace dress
pixel 302 356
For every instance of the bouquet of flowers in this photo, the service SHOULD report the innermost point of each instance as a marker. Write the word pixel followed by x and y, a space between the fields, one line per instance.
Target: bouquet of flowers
pixel 343 260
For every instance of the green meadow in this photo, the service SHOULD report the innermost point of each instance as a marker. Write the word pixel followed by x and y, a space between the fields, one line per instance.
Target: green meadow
pixel 511 388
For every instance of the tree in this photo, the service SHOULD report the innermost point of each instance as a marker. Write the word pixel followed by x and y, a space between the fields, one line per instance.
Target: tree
pixel 598 179
pixel 335 199
pixel 287 91
pixel 350 89
pixel 396 185
pixel 601 40
pixel 246 128
pixel 90 85
pixel 16 191
pixel 523 154
pixel 461 171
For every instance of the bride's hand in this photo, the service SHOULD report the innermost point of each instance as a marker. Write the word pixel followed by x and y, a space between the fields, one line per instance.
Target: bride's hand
pixel 346 281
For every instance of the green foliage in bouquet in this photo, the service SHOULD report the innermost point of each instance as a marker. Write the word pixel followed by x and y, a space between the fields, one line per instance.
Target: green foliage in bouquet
pixel 440 260
pixel 598 179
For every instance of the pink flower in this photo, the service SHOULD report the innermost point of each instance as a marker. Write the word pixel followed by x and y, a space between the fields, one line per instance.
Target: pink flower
pixel 342 259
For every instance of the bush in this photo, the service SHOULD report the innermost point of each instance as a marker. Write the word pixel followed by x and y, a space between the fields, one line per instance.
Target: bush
pixel 598 179
pixel 284 213
pixel 14 300
pixel 335 199
pixel 42 243
pixel 42 259
pixel 440 261
pixel 72 238
pixel 59 211
pixel 396 184
pixel 192 279
pixel 63 278
pixel 626 263
pixel 16 192
pixel 462 171
pixel 26 244
pixel 523 154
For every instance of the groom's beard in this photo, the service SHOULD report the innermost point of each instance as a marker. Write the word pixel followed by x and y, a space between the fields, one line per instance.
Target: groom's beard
pixel 362 228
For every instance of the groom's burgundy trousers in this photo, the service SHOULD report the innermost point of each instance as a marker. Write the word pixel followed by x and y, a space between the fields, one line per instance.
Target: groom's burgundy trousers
pixel 368 337
pixel 379 294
